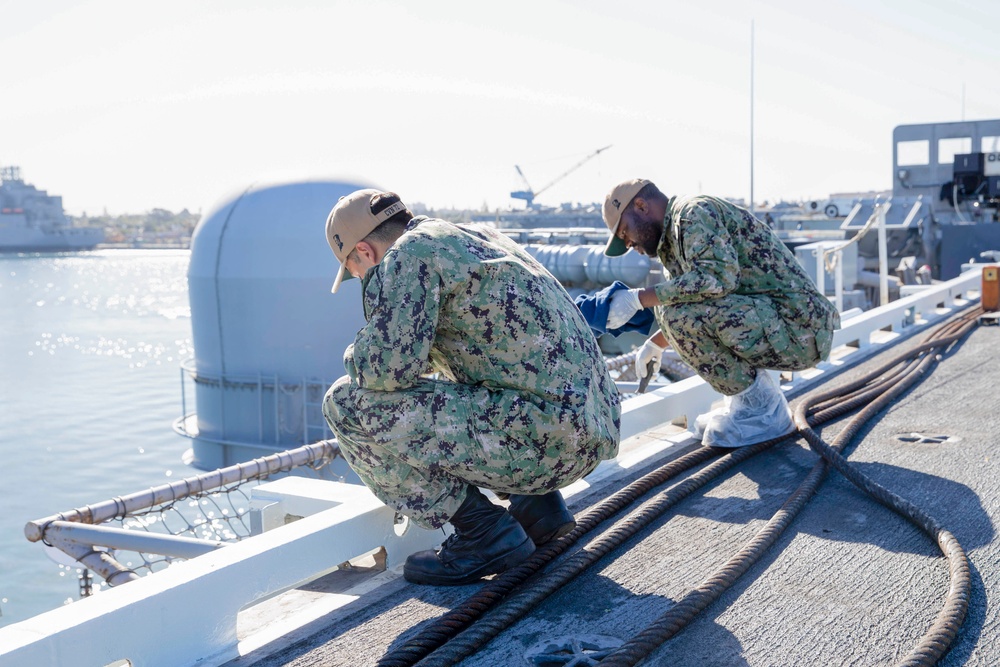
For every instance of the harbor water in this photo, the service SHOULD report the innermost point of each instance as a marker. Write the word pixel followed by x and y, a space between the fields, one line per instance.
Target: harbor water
pixel 90 350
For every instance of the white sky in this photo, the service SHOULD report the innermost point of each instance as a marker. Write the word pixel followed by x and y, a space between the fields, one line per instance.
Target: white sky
pixel 128 106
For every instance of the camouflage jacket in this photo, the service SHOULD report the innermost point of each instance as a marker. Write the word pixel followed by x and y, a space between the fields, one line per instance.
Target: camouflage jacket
pixel 711 248
pixel 471 304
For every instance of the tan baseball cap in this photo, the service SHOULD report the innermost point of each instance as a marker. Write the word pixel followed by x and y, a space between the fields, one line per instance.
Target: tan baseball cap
pixel 350 221
pixel 620 196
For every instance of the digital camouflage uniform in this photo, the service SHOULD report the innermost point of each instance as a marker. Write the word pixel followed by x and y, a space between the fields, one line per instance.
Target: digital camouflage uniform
pixel 736 299
pixel 522 402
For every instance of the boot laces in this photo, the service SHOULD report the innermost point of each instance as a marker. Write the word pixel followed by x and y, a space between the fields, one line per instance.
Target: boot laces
pixel 449 541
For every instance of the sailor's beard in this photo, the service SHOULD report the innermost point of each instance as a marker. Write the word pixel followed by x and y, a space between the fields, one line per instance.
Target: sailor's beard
pixel 647 239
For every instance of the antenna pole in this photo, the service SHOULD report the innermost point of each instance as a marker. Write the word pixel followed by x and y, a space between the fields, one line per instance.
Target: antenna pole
pixel 750 207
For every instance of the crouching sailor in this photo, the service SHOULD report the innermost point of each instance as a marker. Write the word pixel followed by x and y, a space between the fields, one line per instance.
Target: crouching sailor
pixel 520 401
pixel 736 303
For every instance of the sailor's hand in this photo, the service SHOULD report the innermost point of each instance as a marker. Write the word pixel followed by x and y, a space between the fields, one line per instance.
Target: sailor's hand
pixel 624 305
pixel 649 351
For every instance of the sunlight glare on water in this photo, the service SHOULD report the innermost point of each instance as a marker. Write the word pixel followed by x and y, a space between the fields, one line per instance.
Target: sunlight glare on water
pixel 90 383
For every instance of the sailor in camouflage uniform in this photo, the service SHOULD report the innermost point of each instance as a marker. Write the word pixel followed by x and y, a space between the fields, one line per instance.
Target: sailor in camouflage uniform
pixel 520 402
pixel 735 302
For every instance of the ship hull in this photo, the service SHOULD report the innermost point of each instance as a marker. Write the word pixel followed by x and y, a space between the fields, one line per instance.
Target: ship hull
pixel 58 240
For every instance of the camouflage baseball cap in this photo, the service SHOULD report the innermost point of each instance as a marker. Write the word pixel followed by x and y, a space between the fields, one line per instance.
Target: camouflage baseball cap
pixel 350 221
pixel 620 196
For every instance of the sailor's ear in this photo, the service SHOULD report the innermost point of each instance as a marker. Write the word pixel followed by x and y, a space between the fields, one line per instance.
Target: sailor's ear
pixel 368 251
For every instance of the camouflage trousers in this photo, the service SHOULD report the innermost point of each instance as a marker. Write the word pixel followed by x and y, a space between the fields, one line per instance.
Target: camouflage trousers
pixel 418 449
pixel 726 339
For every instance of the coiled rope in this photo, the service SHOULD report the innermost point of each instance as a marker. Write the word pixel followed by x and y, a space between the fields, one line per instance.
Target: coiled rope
pixel 935 643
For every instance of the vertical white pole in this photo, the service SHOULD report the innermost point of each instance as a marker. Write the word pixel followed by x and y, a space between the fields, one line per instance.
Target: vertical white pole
pixel 820 270
pixel 750 206
pixel 838 282
pixel 883 259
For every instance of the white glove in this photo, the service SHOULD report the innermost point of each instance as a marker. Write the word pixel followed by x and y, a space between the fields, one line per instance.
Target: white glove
pixel 649 351
pixel 624 304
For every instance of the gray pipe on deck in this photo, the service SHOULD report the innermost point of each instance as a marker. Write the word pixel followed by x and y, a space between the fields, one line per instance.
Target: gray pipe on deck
pixel 576 264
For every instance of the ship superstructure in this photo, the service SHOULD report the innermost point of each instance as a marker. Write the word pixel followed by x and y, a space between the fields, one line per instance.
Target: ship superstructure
pixel 31 220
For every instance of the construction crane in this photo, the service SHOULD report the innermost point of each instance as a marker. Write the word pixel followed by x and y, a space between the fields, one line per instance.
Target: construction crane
pixel 528 195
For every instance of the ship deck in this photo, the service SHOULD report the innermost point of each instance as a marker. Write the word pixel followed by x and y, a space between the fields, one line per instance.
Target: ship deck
pixel 848 582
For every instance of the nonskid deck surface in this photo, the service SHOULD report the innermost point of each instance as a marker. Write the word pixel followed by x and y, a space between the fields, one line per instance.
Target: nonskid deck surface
pixel 849 582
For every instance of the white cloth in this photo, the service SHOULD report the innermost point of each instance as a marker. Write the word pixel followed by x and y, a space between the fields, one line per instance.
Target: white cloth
pixel 649 351
pixel 624 305
pixel 758 413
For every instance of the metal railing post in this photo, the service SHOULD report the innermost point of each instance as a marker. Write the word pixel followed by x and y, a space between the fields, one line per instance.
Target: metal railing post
pixel 838 278
pixel 62 533
pixel 183 393
pixel 883 260
pixel 820 269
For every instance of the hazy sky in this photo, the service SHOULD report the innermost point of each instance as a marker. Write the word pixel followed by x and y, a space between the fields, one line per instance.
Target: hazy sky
pixel 130 106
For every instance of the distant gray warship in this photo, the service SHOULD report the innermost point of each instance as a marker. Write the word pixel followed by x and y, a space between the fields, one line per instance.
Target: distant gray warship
pixel 31 220
pixel 567 216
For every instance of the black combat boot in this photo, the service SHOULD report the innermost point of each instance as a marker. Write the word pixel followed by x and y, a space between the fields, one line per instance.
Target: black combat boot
pixel 544 518
pixel 487 540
